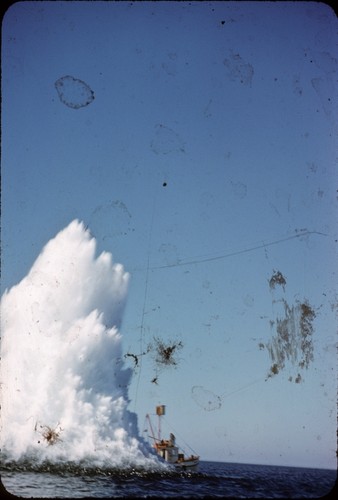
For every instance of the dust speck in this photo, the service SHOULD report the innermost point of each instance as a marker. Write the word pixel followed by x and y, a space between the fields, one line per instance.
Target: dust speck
pixel 166 353
pixel 50 435
pixel 277 279
pixel 73 92
pixel 166 141
pixel 238 69
pixel 206 399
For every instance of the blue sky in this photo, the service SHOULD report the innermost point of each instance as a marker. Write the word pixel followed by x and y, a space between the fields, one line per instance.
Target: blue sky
pixel 205 163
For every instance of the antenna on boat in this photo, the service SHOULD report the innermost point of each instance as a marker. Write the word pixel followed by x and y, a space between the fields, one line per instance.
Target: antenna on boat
pixel 160 410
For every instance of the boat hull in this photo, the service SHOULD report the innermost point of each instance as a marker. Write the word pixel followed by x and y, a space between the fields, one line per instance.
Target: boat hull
pixel 187 464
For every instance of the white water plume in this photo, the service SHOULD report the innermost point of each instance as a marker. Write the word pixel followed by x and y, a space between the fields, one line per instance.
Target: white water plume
pixel 64 387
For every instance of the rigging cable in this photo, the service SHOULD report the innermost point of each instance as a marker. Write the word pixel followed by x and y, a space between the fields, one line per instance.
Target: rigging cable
pixel 199 260
pixel 145 300
pixel 226 395
pixel 180 437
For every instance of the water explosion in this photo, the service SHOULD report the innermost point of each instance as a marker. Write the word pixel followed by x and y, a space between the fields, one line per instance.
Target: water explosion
pixel 64 387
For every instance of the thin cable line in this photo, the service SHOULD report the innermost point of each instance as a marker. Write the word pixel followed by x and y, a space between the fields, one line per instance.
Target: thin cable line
pixel 238 252
pixel 145 301
pixel 180 437
pixel 227 394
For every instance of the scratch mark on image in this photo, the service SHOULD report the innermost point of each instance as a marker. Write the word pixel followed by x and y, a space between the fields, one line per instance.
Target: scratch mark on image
pixel 210 258
pixel 292 342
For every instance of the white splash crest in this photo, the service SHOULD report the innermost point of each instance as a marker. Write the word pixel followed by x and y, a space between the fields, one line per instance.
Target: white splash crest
pixel 64 387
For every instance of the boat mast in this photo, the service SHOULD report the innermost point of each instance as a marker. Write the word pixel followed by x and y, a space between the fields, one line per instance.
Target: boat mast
pixel 151 429
pixel 160 410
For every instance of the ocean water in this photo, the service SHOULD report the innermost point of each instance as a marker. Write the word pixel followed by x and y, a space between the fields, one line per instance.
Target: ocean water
pixel 212 480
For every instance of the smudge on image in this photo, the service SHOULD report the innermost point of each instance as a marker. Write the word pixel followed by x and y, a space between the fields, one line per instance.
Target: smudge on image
pixel 73 92
pixel 292 343
pixel 206 399
pixel 277 279
pixel 238 69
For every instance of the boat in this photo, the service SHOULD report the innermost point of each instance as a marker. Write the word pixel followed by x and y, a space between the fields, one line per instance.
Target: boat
pixel 167 449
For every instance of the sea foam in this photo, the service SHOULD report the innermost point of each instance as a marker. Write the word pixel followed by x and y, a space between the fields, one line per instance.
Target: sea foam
pixel 64 387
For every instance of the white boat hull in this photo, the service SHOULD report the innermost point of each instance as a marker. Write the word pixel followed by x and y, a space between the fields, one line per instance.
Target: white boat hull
pixel 188 464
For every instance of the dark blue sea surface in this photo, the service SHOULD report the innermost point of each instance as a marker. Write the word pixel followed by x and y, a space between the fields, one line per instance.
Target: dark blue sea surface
pixel 212 480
